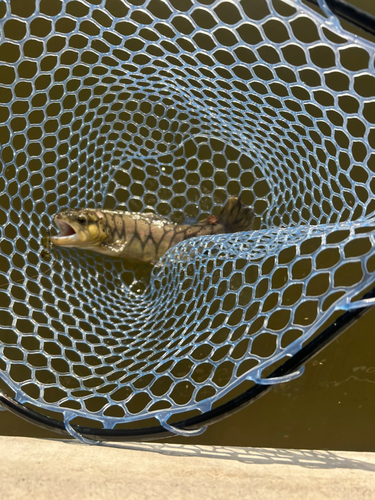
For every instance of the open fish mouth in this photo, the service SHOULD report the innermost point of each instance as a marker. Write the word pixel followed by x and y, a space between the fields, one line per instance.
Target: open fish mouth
pixel 64 228
pixel 67 236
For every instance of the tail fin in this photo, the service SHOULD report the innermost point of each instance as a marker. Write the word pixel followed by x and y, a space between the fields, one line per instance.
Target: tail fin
pixel 235 216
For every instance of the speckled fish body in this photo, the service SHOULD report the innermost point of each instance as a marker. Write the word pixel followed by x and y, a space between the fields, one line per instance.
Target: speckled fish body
pixel 142 237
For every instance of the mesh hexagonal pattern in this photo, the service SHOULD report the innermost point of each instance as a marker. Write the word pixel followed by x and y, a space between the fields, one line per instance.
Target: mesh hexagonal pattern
pixel 172 106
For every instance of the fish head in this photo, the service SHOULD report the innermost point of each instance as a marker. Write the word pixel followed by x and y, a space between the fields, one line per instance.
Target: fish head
pixel 82 228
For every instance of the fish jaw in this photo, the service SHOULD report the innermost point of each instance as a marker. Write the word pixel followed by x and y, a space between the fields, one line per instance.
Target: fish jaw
pixel 67 237
pixel 81 228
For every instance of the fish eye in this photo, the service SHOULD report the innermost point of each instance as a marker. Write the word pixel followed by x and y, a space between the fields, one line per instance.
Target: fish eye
pixel 81 219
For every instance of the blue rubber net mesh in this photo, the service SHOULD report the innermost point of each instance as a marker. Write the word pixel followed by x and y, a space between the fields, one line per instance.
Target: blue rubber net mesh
pixel 172 107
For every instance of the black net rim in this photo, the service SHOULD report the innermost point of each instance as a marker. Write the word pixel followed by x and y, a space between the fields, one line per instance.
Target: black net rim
pixel 351 14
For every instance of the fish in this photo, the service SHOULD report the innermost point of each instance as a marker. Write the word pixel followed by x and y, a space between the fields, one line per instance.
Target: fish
pixel 143 237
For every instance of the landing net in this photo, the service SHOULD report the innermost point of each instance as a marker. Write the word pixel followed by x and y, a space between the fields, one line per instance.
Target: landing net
pixel 172 107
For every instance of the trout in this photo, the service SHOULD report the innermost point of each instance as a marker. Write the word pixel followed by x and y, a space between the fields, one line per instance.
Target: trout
pixel 141 237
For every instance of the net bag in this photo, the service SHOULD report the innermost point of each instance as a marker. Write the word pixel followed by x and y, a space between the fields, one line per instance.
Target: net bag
pixel 172 107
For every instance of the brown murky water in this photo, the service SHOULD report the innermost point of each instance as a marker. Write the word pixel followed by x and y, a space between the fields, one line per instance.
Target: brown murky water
pixel 331 406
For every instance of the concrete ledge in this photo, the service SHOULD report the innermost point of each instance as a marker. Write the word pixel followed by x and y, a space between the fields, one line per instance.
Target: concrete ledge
pixel 54 470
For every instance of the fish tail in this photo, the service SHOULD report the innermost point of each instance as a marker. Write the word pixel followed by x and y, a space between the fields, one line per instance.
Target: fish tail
pixel 235 216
